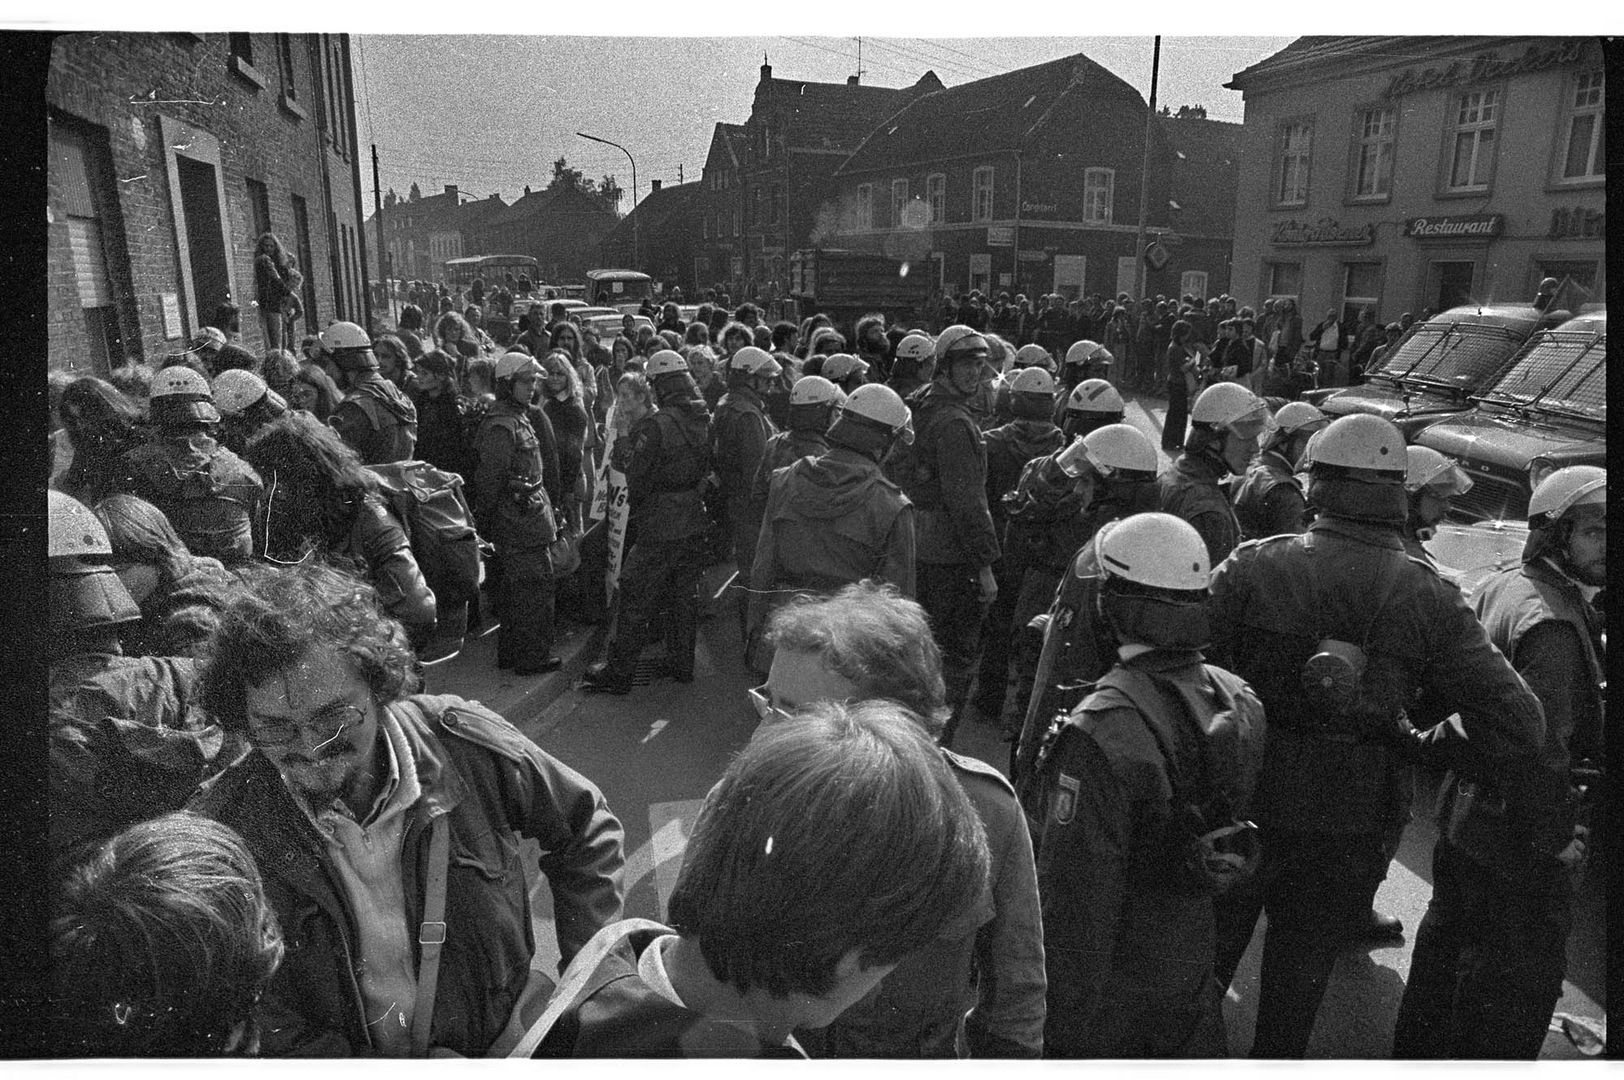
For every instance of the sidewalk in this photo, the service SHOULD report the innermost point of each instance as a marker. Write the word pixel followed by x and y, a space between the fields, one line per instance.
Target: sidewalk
pixel 522 699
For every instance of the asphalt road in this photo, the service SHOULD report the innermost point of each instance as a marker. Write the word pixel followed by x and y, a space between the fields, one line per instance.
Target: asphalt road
pixel 657 751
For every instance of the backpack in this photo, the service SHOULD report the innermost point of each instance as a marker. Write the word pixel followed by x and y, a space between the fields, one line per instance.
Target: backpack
pixel 434 512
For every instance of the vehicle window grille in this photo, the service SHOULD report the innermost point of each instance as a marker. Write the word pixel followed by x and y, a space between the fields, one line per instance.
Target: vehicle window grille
pixel 1464 354
pixel 1572 364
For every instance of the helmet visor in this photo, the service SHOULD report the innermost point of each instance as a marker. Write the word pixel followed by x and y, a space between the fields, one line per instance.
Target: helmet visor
pixel 1446 481
pixel 1253 424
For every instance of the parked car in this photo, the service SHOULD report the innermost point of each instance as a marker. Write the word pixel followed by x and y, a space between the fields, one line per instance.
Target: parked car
pixel 1433 371
pixel 1548 410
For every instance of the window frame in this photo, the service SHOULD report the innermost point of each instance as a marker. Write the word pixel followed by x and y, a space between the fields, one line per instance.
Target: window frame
pixel 1186 290
pixel 978 189
pixel 1359 141
pixel 936 198
pixel 1373 302
pixel 1110 193
pixel 899 199
pixel 1277 161
pixel 1268 280
pixel 864 210
pixel 1570 113
pixel 1455 127
pixel 240 59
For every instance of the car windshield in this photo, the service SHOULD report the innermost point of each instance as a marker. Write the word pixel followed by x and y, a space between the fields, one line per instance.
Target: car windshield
pixel 1563 371
pixel 1469 554
pixel 1456 355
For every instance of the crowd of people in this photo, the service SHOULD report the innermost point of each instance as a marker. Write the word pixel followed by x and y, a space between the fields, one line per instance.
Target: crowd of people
pixel 1220 681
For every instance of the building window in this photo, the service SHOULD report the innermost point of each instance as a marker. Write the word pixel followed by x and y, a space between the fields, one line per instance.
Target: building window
pixel 241 46
pixel 1585 157
pixel 259 204
pixel 1373 176
pixel 1291 173
pixel 1283 279
pixel 1361 290
pixel 936 198
pixel 756 216
pixel 775 200
pixel 1193 283
pixel 981 194
pixel 865 206
pixel 1476 117
pixel 80 200
pixel 899 199
pixel 284 61
pixel 1097 189
pixel 736 216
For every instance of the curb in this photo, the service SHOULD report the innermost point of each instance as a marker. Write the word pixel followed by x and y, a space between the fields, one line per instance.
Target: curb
pixel 524 700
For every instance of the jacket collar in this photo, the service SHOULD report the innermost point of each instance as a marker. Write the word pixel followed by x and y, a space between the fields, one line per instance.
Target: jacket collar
pixel 1201 468
pixel 1385 536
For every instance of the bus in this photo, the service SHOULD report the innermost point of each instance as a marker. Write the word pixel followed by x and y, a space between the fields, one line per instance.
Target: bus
pixel 490 269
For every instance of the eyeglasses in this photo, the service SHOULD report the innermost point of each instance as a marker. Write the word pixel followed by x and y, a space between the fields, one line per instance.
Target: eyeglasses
pixel 762 702
pixel 327 725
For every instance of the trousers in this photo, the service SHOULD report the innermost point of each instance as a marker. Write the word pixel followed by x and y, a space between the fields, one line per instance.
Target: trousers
pixel 658 576
pixel 951 596
pixel 523 595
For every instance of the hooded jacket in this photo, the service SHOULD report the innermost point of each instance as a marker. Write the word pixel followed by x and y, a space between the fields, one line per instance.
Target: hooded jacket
pixel 1009 448
pixel 1189 490
pixel 784 448
pixel 498 787
pixel 377 419
pixel 829 522
pixel 208 493
pixel 945 475
pixel 1270 501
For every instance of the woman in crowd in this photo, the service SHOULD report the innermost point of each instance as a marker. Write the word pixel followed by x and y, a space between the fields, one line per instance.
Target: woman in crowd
pixel 702 366
pixel 321 502
pixel 566 411
pixel 313 391
pixel 442 438
pixel 180 594
pixel 566 337
pixel 1184 357
pixel 452 334
pixel 276 282
pixel 394 361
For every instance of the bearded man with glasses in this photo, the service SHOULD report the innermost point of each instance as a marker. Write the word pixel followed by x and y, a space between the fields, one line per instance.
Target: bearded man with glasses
pixel 388 827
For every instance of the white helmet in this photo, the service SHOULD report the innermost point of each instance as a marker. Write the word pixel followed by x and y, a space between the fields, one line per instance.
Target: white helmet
pixel 1358 441
pixel 236 388
pixel 668 361
pixel 73 531
pixel 1427 468
pixel 1115 450
pixel 753 361
pixel 916 347
pixel 1297 416
pixel 181 395
pixel 1088 352
pixel 959 338
pixel 1233 406
pixel 1095 396
pixel 841 365
pixel 1031 380
pixel 1000 353
pixel 1034 355
pixel 208 339
pixel 881 405
pixel 1154 549
pixel 1562 490
pixel 815 390
pixel 341 335
pixel 512 364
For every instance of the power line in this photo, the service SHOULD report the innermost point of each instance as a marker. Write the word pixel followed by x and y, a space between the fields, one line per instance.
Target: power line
pixel 843 56
pixel 920 58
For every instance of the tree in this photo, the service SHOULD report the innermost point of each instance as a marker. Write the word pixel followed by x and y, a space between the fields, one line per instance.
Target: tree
pixel 566 179
pixel 413 194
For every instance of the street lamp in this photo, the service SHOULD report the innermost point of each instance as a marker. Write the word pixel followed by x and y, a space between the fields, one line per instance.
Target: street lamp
pixel 637 248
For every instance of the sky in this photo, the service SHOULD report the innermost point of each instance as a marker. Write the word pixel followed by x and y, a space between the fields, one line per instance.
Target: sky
pixel 491 114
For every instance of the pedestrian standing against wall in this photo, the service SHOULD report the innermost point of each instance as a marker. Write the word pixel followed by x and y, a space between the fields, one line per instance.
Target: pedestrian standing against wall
pixel 277 280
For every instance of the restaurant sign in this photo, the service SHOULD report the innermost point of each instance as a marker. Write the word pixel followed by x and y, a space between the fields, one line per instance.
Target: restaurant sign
pixel 1577 223
pixel 1485 67
pixel 1325 232
pixel 1455 227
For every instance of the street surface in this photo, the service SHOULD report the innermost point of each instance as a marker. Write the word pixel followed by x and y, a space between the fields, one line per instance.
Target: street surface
pixel 657 751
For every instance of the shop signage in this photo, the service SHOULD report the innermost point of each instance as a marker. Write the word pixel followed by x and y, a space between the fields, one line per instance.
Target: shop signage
pixel 1327 231
pixel 1000 236
pixel 1484 67
pixel 1156 255
pixel 1455 227
pixel 1577 223
pixel 1037 208
pixel 1034 256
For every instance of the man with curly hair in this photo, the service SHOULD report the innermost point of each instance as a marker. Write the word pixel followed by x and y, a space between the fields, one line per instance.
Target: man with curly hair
pixel 369 806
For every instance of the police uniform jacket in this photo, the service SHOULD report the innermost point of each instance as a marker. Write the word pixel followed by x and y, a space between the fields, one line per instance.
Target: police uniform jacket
pixel 1009 448
pixel 739 433
pixel 497 787
pixel 1129 944
pixel 208 493
pixel 666 459
pixel 1189 490
pixel 378 419
pixel 948 481
pixel 1269 500
pixel 1273 601
pixel 511 499
pixel 1537 617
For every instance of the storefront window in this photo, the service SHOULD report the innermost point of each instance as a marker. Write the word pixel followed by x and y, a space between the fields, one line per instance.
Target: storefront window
pixel 1475 121
pixel 1361 289
pixel 1283 279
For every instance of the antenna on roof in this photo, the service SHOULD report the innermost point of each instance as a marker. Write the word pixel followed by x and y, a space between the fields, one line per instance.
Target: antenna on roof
pixel 859 76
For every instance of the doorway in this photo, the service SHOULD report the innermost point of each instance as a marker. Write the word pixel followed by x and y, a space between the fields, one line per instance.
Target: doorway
pixel 1452 284
pixel 205 237
pixel 1069 271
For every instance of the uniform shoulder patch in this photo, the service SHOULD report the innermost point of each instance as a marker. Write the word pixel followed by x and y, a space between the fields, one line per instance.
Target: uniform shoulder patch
pixel 1066 791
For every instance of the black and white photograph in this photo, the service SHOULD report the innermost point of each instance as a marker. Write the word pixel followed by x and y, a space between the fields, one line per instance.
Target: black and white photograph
pixel 926 534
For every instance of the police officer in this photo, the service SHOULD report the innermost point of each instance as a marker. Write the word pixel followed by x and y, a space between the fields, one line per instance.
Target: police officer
pixel 246 404
pixel 1029 435
pixel 513 507
pixel 1063 501
pixel 914 363
pixel 738 438
pixel 946 478
pixel 1341 632
pixel 1164 750
pixel 666 460
pixel 1034 355
pixel 1491 951
pixel 1431 481
pixel 1085 360
pixel 126 743
pixel 1091 404
pixel 375 417
pixel 834 520
pixel 812 403
pixel 846 371
pixel 208 493
pixel 1269 500
pixel 1225 426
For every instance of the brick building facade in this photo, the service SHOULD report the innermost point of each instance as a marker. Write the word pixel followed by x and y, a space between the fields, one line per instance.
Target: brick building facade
pixel 422 233
pixel 169 155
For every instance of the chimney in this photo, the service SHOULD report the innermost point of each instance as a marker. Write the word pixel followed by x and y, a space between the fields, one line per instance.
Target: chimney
pixel 851 80
pixel 653 186
pixel 451 190
pixel 766 71
pixel 527 189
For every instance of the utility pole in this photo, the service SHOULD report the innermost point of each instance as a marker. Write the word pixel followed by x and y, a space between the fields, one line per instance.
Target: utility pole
pixel 679 173
pixel 1144 177
pixel 383 245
